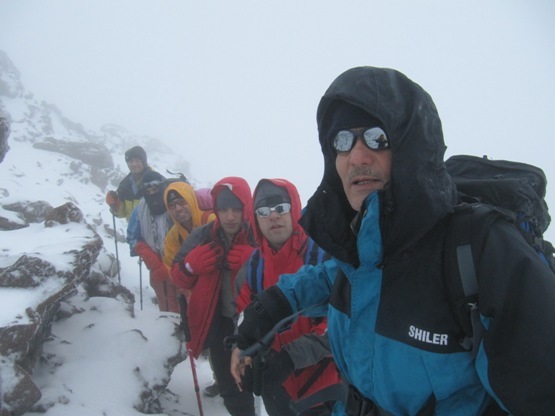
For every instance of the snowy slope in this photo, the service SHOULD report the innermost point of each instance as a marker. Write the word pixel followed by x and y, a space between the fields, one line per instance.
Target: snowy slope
pixel 95 360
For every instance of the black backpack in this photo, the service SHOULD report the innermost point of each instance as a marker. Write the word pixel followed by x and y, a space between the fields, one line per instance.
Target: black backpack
pixel 488 189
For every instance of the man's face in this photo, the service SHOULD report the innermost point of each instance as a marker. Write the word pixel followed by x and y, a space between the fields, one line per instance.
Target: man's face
pixel 276 228
pixel 180 210
pixel 230 220
pixel 362 171
pixel 135 165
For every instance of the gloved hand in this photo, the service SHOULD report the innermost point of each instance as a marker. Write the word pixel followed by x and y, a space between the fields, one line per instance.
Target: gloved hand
pixel 181 278
pixel 160 273
pixel 269 307
pixel 279 367
pixel 203 259
pixel 237 256
pixel 112 200
pixel 151 259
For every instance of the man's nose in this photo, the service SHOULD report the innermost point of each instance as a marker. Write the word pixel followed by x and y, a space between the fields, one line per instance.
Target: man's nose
pixel 360 153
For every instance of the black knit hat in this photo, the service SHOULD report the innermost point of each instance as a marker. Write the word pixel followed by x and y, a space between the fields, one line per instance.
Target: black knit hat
pixel 227 199
pixel 268 194
pixel 152 177
pixel 137 152
pixel 343 116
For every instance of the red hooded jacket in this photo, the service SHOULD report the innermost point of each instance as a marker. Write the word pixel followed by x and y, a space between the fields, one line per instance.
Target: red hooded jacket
pixel 288 260
pixel 206 287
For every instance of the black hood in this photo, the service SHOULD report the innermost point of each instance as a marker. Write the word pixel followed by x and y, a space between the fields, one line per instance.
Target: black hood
pixel 420 192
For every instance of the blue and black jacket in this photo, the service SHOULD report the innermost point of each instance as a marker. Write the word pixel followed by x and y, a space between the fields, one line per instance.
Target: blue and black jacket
pixel 392 330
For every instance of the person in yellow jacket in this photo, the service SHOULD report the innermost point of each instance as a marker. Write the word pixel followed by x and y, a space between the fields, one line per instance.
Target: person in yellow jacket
pixel 183 206
pixel 130 190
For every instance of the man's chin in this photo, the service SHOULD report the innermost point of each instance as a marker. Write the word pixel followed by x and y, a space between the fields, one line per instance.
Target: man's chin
pixel 357 197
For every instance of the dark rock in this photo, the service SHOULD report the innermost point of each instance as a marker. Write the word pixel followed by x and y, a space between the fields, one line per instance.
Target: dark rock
pixel 9 225
pixel 63 214
pixel 92 154
pixel 97 284
pixel 24 392
pixel 26 272
pixel 30 211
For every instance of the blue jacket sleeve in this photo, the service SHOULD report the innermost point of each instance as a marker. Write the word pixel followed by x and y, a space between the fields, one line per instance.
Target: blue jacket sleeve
pixel 309 289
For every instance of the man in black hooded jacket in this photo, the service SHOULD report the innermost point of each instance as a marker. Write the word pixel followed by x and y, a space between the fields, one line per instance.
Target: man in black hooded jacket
pixel 382 211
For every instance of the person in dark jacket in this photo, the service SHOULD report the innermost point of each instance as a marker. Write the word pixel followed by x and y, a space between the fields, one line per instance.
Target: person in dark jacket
pixel 148 226
pixel 206 267
pixel 382 212
pixel 129 192
pixel 299 360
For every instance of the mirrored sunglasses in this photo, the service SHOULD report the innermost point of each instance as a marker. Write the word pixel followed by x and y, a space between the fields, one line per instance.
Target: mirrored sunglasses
pixel 374 138
pixel 152 187
pixel 281 209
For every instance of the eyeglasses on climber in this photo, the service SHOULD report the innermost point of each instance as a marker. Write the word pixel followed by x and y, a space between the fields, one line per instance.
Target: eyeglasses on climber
pixel 374 138
pixel 281 209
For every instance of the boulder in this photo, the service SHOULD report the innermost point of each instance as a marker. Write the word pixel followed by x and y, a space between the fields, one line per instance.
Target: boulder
pixel 93 154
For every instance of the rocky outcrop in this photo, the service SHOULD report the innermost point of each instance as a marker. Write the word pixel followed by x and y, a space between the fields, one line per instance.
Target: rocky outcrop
pixel 21 339
pixel 90 273
pixel 92 154
pixel 54 267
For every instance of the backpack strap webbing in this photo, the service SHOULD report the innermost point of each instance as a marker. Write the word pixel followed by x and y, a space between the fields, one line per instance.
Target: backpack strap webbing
pixel 333 392
pixel 466 227
pixel 314 254
pixel 314 376
pixel 255 272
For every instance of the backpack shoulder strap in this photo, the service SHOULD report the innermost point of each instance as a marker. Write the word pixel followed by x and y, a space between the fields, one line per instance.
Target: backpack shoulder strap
pixel 314 254
pixel 255 271
pixel 465 232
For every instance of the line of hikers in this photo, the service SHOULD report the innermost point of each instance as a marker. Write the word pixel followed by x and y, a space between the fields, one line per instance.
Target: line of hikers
pixel 184 250
pixel 352 289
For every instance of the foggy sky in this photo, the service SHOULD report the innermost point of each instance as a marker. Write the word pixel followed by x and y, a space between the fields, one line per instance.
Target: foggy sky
pixel 233 86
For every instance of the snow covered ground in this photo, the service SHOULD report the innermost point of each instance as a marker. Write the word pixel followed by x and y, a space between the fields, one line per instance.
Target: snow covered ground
pixel 96 360
pixel 99 355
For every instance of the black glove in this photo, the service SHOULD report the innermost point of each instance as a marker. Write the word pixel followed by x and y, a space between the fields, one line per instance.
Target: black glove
pixel 269 307
pixel 278 367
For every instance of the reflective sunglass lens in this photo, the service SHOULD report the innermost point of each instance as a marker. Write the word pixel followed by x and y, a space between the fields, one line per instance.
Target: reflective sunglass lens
pixel 376 139
pixel 343 141
pixel 283 208
pixel 263 212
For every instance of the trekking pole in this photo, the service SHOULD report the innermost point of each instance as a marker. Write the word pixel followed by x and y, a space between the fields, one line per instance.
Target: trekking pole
pixel 116 241
pixel 166 295
pixel 185 326
pixel 141 281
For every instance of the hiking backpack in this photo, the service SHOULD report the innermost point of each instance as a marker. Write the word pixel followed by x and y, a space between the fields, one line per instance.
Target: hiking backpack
pixel 513 190
pixel 205 203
